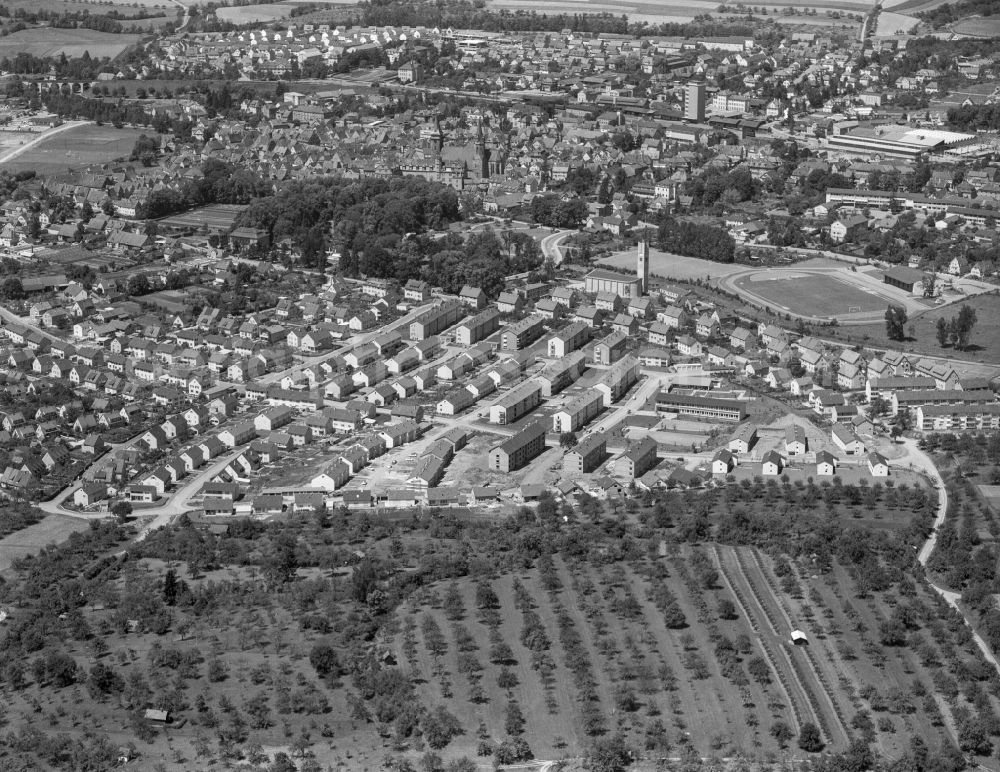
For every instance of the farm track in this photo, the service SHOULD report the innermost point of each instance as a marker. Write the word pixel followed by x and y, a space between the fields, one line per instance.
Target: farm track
pixel 809 655
pixel 772 662
pixel 805 684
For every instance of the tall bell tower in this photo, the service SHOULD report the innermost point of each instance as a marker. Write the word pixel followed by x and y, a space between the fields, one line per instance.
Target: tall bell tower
pixel 642 269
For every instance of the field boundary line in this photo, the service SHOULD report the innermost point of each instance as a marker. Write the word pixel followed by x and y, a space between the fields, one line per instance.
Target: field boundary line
pixel 779 677
pixel 806 651
pixel 796 668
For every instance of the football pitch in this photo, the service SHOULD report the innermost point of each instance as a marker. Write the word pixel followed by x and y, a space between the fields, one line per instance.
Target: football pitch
pixel 817 295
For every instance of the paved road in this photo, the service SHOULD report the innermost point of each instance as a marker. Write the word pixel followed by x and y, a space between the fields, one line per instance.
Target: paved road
pixel 184 19
pixel 921 460
pixel 550 245
pixel 10 155
pixel 178 503
pixel 25 322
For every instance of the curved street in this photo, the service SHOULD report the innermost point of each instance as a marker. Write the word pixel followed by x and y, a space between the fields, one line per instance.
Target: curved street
pixel 550 246
pixel 921 460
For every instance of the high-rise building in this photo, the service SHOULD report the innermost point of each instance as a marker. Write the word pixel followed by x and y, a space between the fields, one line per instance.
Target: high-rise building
pixel 642 269
pixel 694 101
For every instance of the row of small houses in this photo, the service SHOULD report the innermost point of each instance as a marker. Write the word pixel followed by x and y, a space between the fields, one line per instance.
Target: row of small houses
pixel 222 496
pixel 796 445
pixel 271 433
pixel 224 499
pixel 774 463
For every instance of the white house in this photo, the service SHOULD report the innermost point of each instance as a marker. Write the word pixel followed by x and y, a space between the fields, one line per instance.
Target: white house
pixel 877 465
pixel 826 464
pixel 773 464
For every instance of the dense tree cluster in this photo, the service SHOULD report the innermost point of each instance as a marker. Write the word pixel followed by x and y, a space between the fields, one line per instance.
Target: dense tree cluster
pixel 727 187
pixel 958 329
pixel 379 227
pixel 474 15
pixel 946 13
pixel 985 117
pixel 895 322
pixel 220 183
pixel 691 239
pixel 552 210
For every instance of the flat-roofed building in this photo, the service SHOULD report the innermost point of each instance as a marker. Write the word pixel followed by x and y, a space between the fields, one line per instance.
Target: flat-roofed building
pixel 701 407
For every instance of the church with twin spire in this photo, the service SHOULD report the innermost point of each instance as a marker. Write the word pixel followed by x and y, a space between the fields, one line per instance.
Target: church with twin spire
pixel 462 166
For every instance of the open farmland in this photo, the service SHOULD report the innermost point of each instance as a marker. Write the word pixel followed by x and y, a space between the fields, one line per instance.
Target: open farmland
pixel 160 11
pixel 610 658
pixel 978 27
pixel 75 147
pixel 984 348
pixel 658 618
pixel 672 266
pixel 52 529
pixel 686 10
pixel 890 23
pixel 52 41
pixel 912 7
pixel 249 14
pixel 606 659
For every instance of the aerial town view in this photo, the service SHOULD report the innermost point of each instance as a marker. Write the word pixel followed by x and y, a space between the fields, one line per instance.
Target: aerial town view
pixel 457 385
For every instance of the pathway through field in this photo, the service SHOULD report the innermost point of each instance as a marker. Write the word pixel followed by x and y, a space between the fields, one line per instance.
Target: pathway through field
pixel 10 155
pixel 922 460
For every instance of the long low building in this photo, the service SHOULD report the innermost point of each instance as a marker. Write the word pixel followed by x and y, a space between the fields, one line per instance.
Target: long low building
pixel 908 400
pixel 895 141
pixel 701 407
pixel 886 386
pixel 957 418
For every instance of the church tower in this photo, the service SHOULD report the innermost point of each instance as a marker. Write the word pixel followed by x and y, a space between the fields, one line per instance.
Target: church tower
pixel 642 269
pixel 438 135
pixel 482 156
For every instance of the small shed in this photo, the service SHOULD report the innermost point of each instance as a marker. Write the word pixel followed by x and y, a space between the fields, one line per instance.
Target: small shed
pixel 799 638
